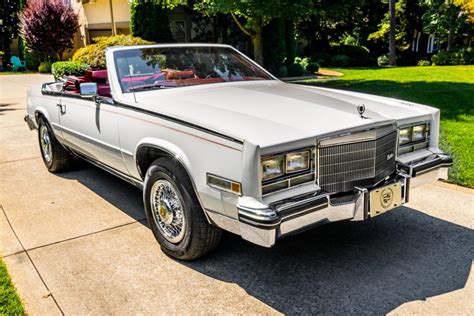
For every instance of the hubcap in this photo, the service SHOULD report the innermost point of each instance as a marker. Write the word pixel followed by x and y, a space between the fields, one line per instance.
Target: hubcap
pixel 45 142
pixel 167 211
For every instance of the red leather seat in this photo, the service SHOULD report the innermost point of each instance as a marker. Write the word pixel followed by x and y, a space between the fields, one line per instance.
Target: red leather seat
pixel 100 77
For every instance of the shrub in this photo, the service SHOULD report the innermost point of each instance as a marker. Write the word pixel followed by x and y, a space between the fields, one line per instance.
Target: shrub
pixel 68 68
pixel 383 60
pixel 295 70
pixel 312 67
pixel 441 59
pixel 304 62
pixel 468 56
pixel 423 62
pixel 44 67
pixel 359 55
pixel 32 59
pixel 48 27
pixel 449 58
pixel 340 61
pixel 94 55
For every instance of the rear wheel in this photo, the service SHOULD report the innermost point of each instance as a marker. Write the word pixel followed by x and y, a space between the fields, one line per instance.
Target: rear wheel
pixel 174 213
pixel 55 157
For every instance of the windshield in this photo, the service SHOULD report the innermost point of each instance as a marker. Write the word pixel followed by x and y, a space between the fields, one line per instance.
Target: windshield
pixel 141 69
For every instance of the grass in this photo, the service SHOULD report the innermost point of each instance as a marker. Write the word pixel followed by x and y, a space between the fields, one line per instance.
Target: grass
pixel 3 73
pixel 449 88
pixel 10 303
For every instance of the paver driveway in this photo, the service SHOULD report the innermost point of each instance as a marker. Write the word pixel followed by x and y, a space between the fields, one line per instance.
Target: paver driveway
pixel 77 243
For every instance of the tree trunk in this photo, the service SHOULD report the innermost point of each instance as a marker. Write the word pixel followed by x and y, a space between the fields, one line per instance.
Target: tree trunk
pixel 391 45
pixel 450 32
pixel 258 46
pixel 256 37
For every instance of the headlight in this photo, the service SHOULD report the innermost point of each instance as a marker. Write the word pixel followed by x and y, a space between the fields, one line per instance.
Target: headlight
pixel 405 135
pixel 419 133
pixel 413 137
pixel 297 161
pixel 273 167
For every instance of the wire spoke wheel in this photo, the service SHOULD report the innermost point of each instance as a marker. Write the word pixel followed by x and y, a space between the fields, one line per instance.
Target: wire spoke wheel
pixel 167 211
pixel 45 142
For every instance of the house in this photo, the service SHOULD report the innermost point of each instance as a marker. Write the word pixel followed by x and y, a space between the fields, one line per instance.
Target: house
pixel 424 43
pixel 112 17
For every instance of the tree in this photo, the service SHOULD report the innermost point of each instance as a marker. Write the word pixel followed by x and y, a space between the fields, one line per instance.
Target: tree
pixel 468 8
pixel 48 28
pixel 409 19
pixel 252 15
pixel 8 25
pixel 149 20
pixel 391 37
pixel 446 17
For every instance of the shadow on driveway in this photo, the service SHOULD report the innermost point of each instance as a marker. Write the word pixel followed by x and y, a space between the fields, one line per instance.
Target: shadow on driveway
pixel 367 267
pixel 117 192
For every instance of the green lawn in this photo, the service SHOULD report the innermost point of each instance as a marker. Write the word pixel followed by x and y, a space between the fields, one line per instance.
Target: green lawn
pixel 449 88
pixel 3 73
pixel 10 303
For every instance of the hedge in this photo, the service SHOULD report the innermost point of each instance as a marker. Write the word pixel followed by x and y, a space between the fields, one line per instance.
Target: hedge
pixel 44 67
pixel 94 55
pixel 68 68
pixel 462 57
pixel 358 55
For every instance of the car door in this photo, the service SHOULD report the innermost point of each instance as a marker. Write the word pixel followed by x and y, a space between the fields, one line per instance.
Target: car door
pixel 91 129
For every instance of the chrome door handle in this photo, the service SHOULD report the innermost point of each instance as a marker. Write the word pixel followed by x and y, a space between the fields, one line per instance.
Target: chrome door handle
pixel 62 108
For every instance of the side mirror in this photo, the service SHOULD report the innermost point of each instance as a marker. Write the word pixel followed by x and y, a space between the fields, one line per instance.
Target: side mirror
pixel 88 89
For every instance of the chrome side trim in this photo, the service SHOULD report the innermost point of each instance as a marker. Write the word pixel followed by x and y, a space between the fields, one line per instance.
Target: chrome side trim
pixel 87 138
pixel 123 176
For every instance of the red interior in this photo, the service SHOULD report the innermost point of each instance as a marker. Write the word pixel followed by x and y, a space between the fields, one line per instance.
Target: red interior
pixel 99 76
pixel 168 78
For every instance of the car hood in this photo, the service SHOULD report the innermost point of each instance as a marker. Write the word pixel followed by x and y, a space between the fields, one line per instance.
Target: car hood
pixel 269 113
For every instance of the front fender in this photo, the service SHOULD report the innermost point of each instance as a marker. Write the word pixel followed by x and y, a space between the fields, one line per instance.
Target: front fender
pixel 166 146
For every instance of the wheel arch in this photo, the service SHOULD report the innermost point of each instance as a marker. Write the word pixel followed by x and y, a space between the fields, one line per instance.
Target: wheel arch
pixel 150 149
pixel 41 112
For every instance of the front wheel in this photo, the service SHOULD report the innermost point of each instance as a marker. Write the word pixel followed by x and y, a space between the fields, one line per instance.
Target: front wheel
pixel 55 157
pixel 174 213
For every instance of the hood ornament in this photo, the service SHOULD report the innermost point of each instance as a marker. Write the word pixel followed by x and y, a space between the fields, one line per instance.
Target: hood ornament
pixel 361 110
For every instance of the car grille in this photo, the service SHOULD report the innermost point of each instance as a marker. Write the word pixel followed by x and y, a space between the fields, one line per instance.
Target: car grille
pixel 341 167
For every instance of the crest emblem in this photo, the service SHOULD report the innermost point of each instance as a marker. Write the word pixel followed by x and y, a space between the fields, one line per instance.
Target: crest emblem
pixel 386 198
pixel 361 110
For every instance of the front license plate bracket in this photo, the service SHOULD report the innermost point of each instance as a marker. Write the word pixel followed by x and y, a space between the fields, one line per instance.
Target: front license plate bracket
pixel 385 199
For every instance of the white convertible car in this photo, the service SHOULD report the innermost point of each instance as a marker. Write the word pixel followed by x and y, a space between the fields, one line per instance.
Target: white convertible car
pixel 217 143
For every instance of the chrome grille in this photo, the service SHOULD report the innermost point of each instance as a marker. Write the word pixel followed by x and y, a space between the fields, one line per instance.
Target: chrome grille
pixel 343 166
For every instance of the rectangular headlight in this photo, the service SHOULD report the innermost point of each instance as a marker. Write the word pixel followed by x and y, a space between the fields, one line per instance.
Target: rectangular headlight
pixel 273 167
pixel 419 133
pixel 405 135
pixel 297 161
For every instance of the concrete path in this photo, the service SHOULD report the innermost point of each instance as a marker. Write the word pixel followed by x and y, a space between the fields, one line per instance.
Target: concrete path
pixel 77 243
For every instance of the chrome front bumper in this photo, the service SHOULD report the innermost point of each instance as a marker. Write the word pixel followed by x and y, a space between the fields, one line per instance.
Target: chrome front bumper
pixel 263 226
